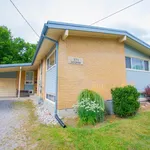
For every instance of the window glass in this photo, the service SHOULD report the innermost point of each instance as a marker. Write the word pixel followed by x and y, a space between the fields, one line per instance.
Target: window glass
pixel 50 97
pixel 51 60
pixel 137 64
pixel 29 82
pixel 128 62
pixel 29 75
pixel 146 65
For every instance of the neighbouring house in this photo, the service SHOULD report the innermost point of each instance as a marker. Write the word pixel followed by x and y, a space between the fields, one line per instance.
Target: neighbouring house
pixel 73 57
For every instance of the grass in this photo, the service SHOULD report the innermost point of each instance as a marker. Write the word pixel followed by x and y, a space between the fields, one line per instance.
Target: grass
pixel 117 134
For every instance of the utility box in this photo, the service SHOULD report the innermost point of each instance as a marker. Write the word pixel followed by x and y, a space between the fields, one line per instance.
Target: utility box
pixel 109 107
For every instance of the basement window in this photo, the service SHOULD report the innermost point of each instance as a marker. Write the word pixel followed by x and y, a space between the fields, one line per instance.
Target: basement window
pixel 50 97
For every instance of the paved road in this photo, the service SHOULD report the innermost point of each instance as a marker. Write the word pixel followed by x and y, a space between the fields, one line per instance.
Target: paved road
pixel 12 120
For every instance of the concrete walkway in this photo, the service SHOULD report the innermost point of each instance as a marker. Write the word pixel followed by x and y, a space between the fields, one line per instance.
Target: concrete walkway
pixel 12 120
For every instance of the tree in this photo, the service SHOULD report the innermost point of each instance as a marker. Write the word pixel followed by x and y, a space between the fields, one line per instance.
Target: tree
pixel 5 44
pixel 14 50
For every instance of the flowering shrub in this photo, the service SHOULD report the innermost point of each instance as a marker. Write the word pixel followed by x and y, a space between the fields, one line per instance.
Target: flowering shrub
pixel 90 107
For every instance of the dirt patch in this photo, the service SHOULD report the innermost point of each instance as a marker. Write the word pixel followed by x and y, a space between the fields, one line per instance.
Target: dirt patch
pixel 74 121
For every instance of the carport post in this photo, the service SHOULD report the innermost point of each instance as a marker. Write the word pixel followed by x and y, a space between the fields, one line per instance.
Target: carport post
pixel 19 83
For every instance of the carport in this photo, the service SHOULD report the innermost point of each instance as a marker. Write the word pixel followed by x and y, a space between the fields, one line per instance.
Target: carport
pixel 8 84
pixel 16 77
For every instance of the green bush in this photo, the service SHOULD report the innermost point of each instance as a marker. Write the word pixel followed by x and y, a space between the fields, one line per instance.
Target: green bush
pixel 90 107
pixel 125 100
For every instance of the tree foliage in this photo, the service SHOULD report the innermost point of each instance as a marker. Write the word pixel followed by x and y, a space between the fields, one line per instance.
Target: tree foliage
pixel 14 50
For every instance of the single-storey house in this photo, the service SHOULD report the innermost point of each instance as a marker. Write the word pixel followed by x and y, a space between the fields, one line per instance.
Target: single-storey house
pixel 73 57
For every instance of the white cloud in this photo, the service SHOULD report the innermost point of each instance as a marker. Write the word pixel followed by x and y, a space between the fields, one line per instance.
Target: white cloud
pixel 135 19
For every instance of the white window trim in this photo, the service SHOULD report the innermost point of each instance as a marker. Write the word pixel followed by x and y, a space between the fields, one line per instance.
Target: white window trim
pixel 49 57
pixel 50 101
pixel 29 80
pixel 51 67
pixel 143 59
pixel 131 56
pixel 137 70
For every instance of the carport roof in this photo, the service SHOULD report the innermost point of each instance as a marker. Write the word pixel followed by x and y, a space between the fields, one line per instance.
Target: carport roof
pixel 15 65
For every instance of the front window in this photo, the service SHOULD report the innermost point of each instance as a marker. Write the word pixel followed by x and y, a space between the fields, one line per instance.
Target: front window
pixel 51 61
pixel 146 65
pixel 137 64
pixel 29 77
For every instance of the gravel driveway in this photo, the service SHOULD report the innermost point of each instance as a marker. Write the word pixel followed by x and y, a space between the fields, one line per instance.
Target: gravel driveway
pixel 12 120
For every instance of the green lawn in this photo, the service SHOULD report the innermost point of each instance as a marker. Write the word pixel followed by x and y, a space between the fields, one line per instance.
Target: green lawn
pixel 114 134
pixel 132 134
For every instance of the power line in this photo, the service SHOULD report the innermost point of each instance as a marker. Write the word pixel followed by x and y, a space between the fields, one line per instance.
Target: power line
pixel 90 24
pixel 24 18
pixel 117 12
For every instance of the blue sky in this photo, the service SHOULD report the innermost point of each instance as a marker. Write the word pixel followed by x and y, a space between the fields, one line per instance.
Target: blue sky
pixel 135 20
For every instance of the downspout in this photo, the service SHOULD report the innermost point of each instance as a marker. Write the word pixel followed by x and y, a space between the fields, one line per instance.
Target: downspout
pixel 56 97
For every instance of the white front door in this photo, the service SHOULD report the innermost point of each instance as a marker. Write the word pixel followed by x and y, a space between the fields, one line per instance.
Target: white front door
pixel 29 81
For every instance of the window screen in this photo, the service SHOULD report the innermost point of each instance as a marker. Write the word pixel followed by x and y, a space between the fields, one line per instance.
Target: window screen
pixel 50 97
pixel 51 60
pixel 146 65
pixel 128 62
pixel 137 64
pixel 29 75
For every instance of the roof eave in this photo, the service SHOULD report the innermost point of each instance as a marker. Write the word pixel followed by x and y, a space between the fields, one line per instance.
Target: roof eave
pixel 40 41
pixel 15 65
pixel 86 28
pixel 70 26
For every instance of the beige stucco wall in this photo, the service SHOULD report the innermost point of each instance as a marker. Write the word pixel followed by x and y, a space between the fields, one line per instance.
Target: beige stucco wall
pixel 35 81
pixel 38 79
pixel 43 78
pixel 103 68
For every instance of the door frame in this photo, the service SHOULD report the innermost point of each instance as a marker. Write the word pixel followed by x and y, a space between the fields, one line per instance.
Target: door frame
pixel 31 83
